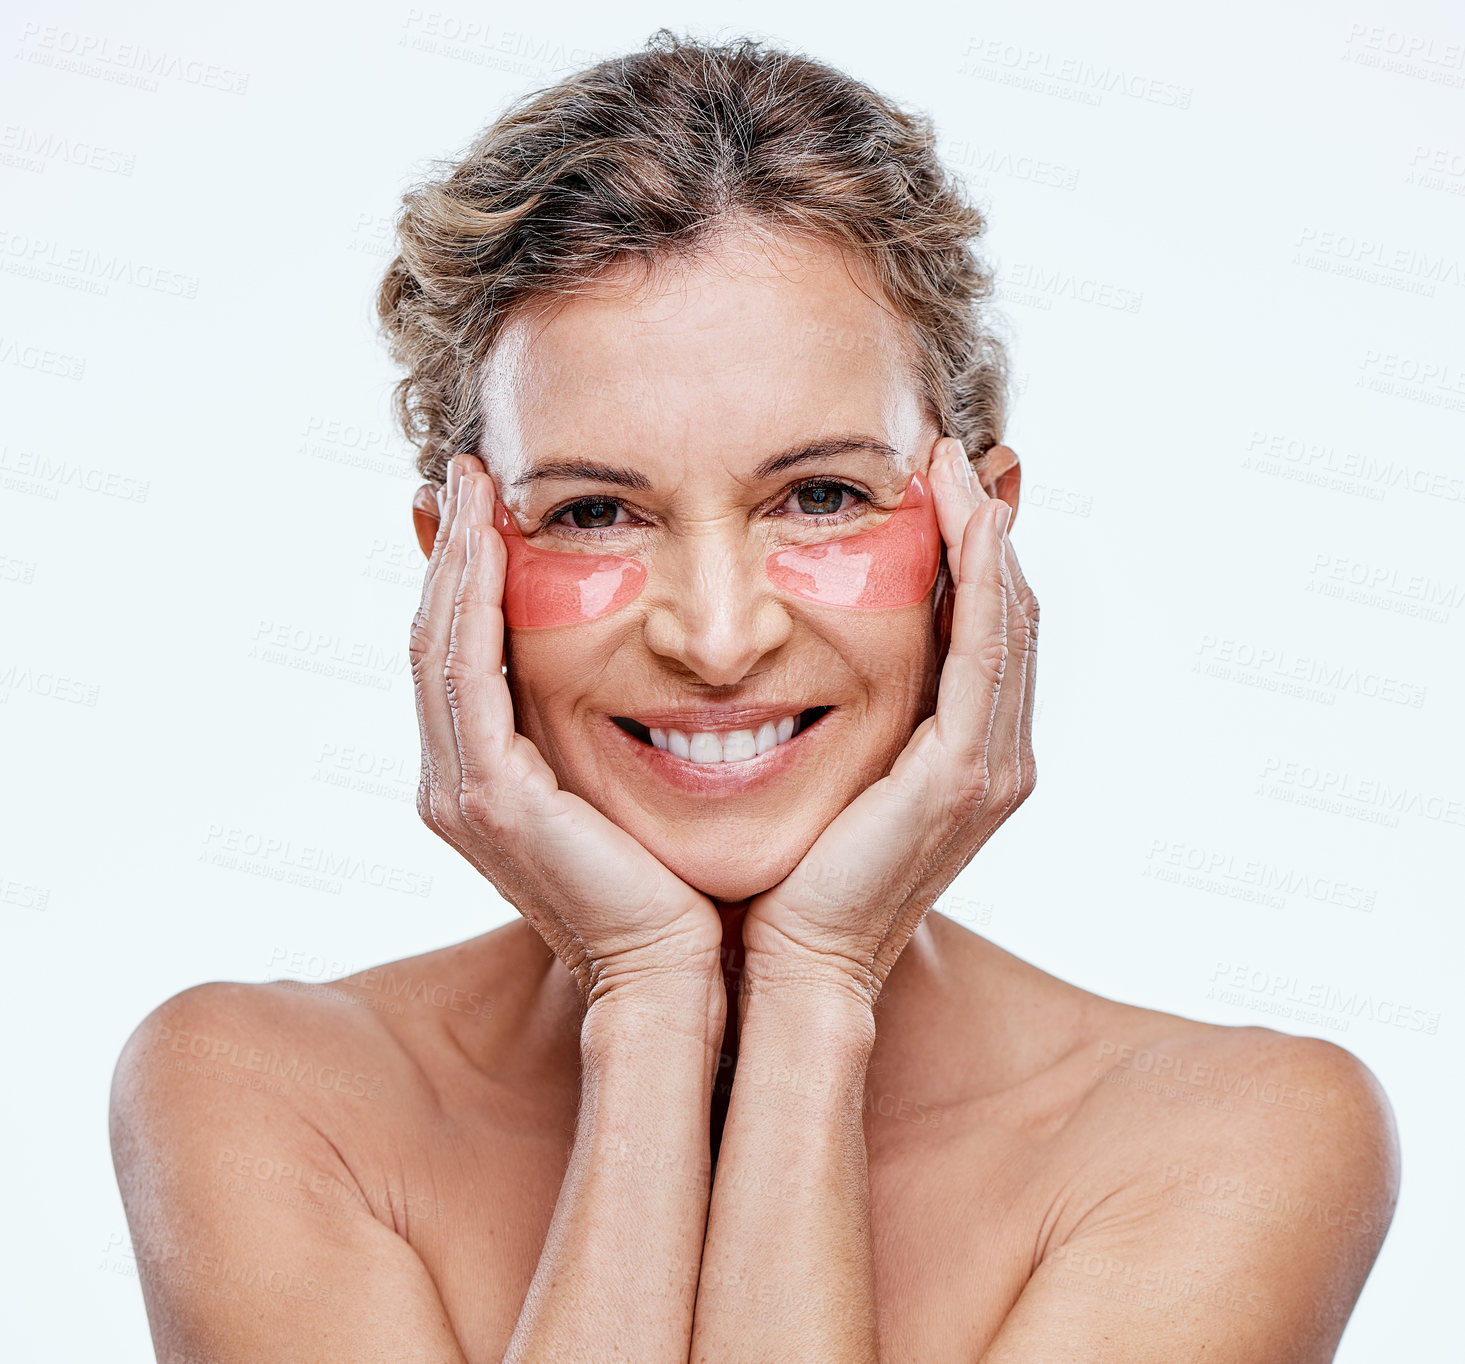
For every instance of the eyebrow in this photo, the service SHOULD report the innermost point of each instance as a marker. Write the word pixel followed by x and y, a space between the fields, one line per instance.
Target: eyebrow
pixel 635 479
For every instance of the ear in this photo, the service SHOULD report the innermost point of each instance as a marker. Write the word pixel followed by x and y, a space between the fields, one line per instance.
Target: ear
pixel 426 513
pixel 1000 475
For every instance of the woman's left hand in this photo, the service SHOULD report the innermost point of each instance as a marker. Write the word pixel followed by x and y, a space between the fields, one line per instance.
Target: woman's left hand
pixel 846 912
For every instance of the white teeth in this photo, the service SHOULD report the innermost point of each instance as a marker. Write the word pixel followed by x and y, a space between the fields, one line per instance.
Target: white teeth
pixel 705 748
pixel 735 746
pixel 739 746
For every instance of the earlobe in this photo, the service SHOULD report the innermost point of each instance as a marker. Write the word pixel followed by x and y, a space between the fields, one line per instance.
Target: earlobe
pixel 426 515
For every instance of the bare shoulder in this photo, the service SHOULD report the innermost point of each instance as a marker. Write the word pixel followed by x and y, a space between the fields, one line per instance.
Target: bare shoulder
pixel 257 1229
pixel 1137 1085
pixel 1238 1183
pixel 1242 1098
pixel 1228 1187
pixel 216 1047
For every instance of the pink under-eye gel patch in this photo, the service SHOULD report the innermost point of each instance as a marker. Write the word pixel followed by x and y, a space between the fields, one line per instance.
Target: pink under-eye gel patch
pixel 895 564
pixel 545 587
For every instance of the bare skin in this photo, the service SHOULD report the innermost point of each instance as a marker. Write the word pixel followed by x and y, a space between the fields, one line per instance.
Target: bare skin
pixel 925 1149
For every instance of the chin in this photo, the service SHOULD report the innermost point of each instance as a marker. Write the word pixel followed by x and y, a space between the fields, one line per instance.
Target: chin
pixel 732 878
pixel 727 857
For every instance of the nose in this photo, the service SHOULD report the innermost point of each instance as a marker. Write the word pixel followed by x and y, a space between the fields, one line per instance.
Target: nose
pixel 713 609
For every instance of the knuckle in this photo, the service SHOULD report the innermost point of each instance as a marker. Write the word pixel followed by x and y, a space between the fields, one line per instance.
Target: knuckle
pixel 442 809
pixel 422 640
pixel 424 805
pixel 994 579
pixel 452 550
pixel 1006 792
pixel 991 659
pixel 973 788
pixel 467 595
pixel 456 671
pixel 476 809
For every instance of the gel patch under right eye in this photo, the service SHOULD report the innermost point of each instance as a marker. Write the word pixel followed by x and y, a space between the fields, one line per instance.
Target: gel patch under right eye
pixel 895 564
pixel 545 587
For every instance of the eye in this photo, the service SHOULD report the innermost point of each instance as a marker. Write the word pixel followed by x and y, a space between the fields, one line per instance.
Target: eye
pixel 590 513
pixel 828 500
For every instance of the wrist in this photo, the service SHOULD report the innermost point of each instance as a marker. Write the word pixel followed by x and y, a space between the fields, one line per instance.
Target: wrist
pixel 815 980
pixel 826 1001
pixel 650 1006
pixel 681 958
pixel 804 1052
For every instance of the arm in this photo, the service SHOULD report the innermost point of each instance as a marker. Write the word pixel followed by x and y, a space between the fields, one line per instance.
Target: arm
pixel 617 1278
pixel 789 1274
pixel 787 1269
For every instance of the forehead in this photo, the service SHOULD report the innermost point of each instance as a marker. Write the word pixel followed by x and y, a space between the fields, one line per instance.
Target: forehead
pixel 751 343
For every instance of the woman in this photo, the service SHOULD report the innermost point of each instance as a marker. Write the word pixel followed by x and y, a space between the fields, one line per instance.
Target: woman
pixel 725 669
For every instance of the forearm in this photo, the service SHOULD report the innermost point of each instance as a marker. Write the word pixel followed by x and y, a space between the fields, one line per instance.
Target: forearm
pixel 787 1267
pixel 617 1275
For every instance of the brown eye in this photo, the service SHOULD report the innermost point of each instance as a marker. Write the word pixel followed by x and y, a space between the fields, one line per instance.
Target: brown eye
pixel 594 515
pixel 818 499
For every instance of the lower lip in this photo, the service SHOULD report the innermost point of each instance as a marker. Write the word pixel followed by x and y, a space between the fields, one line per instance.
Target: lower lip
pixel 720 779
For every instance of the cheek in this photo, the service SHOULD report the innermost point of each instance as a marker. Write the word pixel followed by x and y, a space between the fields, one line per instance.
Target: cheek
pixel 892 566
pixel 544 588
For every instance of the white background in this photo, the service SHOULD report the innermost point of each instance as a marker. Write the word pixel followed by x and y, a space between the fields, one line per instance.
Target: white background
pixel 197 459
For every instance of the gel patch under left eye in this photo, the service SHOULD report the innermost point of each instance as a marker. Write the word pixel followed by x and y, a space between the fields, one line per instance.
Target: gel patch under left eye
pixel 895 564
pixel 544 587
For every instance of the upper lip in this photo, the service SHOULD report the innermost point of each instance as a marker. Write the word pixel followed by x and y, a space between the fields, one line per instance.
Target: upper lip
pixel 714 719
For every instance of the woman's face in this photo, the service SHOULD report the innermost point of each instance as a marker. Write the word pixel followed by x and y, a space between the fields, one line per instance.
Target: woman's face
pixel 687 383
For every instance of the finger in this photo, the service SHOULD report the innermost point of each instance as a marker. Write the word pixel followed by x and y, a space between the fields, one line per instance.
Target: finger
pixel 428 651
pixel 1028 606
pixel 958 495
pixel 478 692
pixel 1007 762
pixel 974 671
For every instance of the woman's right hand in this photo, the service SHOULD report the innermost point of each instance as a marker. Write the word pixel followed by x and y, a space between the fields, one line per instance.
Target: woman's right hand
pixel 608 909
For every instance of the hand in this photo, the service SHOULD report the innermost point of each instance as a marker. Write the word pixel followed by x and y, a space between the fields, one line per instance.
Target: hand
pixel 607 908
pixel 845 913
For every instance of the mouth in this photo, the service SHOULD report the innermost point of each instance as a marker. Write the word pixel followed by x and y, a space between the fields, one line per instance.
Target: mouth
pixel 723 746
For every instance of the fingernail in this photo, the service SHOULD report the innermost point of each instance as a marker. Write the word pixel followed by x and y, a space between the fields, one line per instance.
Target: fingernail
pixel 463 502
pixel 471 540
pixel 964 471
pixel 1004 516
pixel 455 472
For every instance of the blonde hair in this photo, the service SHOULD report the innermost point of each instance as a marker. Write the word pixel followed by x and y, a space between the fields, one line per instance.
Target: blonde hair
pixel 648 155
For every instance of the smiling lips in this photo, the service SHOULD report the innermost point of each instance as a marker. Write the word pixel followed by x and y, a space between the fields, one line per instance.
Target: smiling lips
pixel 730 745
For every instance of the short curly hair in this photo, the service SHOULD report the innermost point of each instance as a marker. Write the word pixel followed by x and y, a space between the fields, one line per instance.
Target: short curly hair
pixel 648 155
